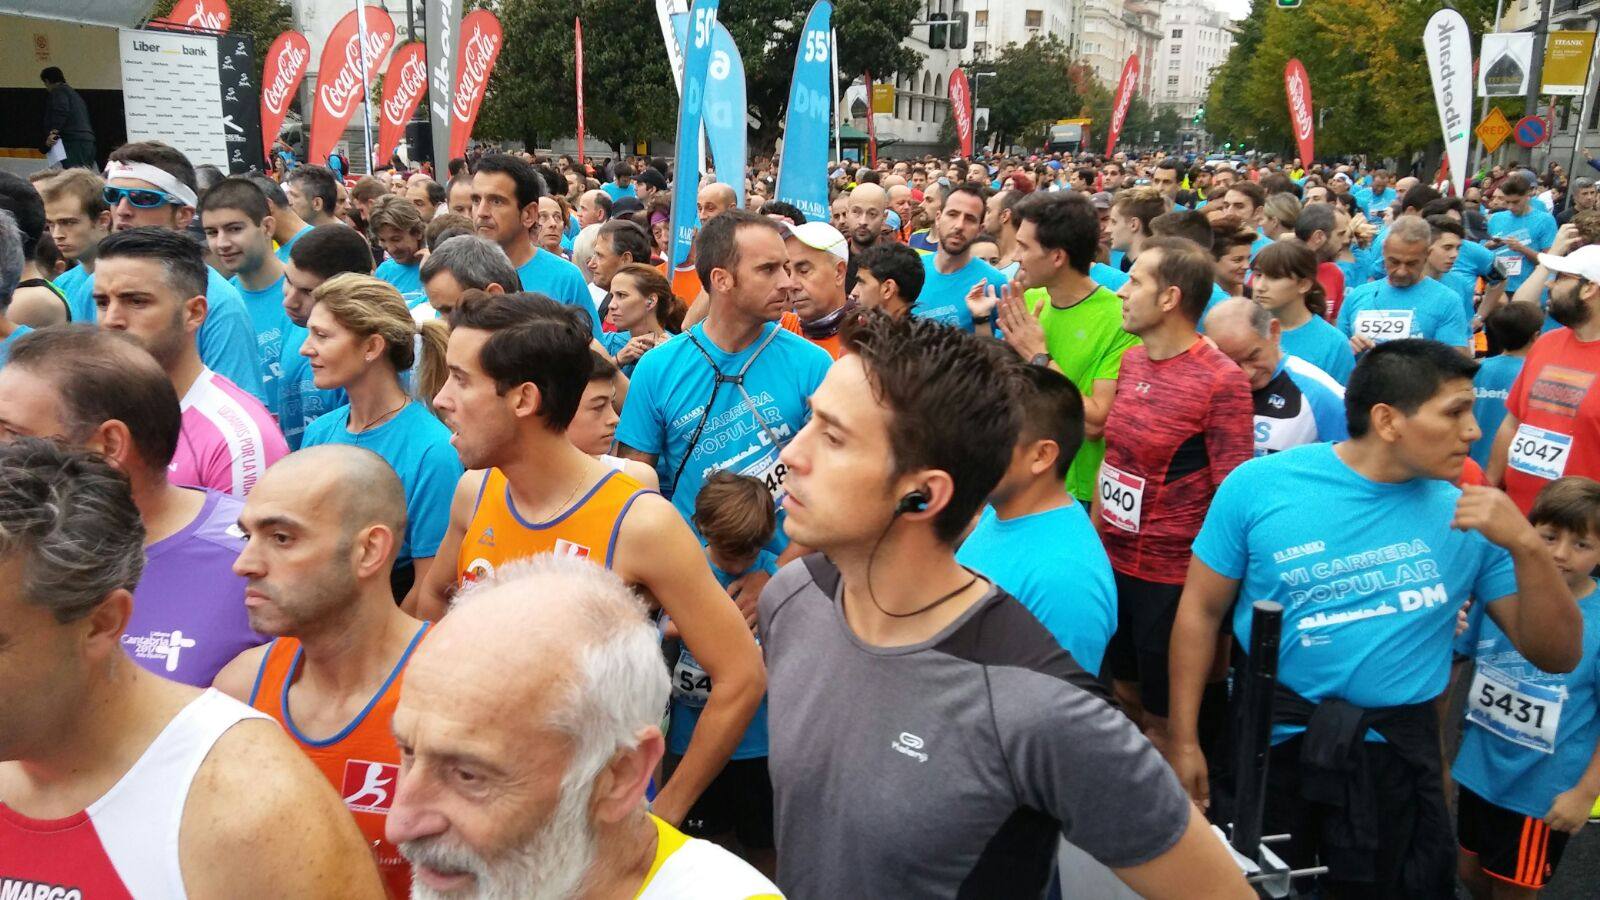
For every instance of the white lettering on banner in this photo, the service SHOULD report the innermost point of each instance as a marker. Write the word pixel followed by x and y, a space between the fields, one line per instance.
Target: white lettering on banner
pixel 292 61
pixel 413 77
pixel 479 50
pixel 202 19
pixel 1447 75
pixel 1297 104
pixel 1124 96
pixel 340 96
pixel 442 76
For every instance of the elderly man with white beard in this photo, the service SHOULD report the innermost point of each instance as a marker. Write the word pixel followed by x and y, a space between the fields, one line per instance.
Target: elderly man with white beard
pixel 528 726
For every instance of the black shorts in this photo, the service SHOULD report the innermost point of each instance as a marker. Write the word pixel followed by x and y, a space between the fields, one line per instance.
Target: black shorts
pixel 1509 845
pixel 1138 649
pixel 738 802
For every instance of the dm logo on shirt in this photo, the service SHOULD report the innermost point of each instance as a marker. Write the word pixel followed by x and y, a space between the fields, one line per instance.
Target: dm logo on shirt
pixel 158 645
pixel 568 548
pixel 369 786
pixel 13 889
pixel 910 745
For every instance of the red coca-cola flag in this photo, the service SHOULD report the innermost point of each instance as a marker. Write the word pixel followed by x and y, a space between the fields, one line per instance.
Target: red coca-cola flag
pixel 285 66
pixel 577 36
pixel 404 83
pixel 1119 112
pixel 1297 85
pixel 211 15
pixel 340 85
pixel 961 109
pixel 480 47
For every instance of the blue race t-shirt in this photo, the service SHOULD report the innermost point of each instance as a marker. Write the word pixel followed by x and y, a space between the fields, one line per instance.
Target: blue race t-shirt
pixel 1490 388
pixel 1300 405
pixel 5 345
pixel 417 446
pixel 668 396
pixel 1536 230
pixel 1529 733
pixel 283 249
pixel 1370 574
pixel 1374 204
pixel 1474 260
pixel 80 303
pixel 944 297
pixel 406 279
pixel 1322 345
pixel 1054 563
pixel 300 401
pixel 1109 277
pixel 1261 243
pixel 1382 312
pixel 691 687
pixel 559 280
pixel 1465 288
pixel 270 321
pixel 617 193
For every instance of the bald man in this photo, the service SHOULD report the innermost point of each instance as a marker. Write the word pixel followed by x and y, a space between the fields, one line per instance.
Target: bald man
pixel 901 201
pixel 864 216
pixel 321 532
pixel 594 208
pixel 529 732
pixel 1295 402
pixel 713 200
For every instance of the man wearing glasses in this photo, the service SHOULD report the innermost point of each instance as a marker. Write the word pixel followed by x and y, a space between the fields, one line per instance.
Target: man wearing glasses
pixel 150 183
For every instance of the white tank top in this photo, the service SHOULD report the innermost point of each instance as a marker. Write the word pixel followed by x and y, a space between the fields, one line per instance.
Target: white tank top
pixel 125 845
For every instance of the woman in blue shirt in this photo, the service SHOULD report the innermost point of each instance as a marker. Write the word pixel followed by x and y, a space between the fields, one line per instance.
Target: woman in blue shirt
pixel 644 312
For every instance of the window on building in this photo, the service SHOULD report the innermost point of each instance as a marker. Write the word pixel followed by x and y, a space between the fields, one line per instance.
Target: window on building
pixel 1174 50
pixel 1033 18
pixel 1172 79
pixel 1172 64
pixel 981 18
pixel 1172 92
pixel 1177 32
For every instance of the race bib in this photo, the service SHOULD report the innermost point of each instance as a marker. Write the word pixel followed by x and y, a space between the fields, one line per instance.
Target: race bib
pixel 770 471
pixel 1379 325
pixel 690 683
pixel 1540 453
pixel 1518 711
pixel 1511 265
pixel 1121 498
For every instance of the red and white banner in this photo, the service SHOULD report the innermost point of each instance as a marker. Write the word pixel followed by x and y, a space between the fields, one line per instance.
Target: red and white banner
pixel 1119 112
pixel 961 109
pixel 404 83
pixel 480 47
pixel 285 66
pixel 577 37
pixel 340 82
pixel 211 15
pixel 1297 85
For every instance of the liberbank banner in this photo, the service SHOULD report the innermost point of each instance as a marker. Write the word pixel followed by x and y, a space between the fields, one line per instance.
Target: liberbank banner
pixel 172 92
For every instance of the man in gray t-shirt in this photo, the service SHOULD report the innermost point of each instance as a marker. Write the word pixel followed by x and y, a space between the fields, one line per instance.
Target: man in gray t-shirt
pixel 929 738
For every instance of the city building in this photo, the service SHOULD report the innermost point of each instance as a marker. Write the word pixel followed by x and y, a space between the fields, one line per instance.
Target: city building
pixel 1565 15
pixel 921 99
pixel 996 23
pixel 1195 40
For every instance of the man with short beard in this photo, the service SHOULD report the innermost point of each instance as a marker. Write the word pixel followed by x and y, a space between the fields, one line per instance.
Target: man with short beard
pixel 491 708
pixel 864 219
pixel 952 271
pixel 1552 428
pixel 341 643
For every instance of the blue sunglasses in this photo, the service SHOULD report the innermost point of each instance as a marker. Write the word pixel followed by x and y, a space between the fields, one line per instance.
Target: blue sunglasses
pixel 141 198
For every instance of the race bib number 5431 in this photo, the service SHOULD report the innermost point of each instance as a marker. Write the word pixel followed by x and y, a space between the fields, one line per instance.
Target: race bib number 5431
pixel 1518 711
pixel 1121 498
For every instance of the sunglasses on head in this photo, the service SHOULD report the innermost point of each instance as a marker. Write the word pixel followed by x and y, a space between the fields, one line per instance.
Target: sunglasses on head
pixel 141 198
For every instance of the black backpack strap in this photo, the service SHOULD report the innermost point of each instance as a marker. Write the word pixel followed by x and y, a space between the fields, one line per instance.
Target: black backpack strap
pixel 823 572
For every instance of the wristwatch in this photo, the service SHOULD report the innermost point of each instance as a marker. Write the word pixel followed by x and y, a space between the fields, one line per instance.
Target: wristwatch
pixel 1040 359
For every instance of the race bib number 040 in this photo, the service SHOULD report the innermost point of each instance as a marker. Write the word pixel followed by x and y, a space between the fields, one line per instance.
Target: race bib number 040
pixel 1121 498
pixel 1540 453
pixel 1518 711
pixel 1379 325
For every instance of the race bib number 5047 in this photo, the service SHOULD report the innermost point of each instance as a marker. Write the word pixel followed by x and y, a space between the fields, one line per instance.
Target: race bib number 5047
pixel 1540 452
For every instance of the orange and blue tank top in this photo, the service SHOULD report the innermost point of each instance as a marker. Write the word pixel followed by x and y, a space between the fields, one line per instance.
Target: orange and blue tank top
pixel 498 534
pixel 362 760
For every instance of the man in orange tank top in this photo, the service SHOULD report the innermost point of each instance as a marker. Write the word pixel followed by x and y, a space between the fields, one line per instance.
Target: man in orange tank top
pixel 518 365
pixel 322 530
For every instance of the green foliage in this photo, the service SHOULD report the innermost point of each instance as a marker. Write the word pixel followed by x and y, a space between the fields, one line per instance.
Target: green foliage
pixel 1032 88
pixel 263 20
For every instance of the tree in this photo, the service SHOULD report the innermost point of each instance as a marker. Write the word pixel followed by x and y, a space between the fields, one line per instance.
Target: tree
pixel 1030 89
pixel 263 20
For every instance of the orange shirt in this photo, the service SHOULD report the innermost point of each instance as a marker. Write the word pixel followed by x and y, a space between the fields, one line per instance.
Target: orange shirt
pixel 685 283
pixel 497 534
pixel 831 343
pixel 361 761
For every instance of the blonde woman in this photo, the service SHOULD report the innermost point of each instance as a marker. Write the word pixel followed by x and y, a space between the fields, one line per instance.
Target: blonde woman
pixel 360 337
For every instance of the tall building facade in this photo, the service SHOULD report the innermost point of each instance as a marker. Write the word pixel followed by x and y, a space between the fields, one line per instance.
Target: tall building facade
pixel 1195 40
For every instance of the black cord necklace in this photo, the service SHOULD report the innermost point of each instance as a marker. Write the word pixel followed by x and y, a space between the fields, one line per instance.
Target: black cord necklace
pixel 917 612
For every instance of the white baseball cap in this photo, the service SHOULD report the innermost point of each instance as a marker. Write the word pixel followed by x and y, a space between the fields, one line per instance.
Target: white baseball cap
pixel 819 236
pixel 1583 262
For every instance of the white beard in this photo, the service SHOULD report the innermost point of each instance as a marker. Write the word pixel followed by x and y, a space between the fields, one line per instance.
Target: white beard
pixel 551 866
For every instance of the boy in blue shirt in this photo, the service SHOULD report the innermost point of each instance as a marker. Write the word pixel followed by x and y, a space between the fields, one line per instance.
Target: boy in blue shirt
pixel 1520 232
pixel 238 226
pixel 1528 768
pixel 399 229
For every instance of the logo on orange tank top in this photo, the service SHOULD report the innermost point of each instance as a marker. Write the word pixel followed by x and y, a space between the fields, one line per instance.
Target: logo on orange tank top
pixel 369 786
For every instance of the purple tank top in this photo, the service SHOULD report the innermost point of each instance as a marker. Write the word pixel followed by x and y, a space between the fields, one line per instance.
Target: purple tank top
pixel 188 613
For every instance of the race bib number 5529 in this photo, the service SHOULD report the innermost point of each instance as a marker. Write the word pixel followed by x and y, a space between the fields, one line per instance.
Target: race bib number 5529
pixel 1379 325
pixel 1121 498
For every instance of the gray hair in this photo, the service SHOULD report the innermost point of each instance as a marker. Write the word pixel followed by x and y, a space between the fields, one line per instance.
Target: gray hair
pixel 1314 218
pixel 621 684
pixel 11 258
pixel 474 262
pixel 1242 309
pixel 1410 230
pixel 68 516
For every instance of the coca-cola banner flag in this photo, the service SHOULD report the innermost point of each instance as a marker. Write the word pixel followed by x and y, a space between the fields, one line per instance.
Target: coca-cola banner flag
pixel 480 47
pixel 961 109
pixel 1119 113
pixel 1298 88
pixel 577 38
pixel 340 85
pixel 286 64
pixel 211 15
pixel 241 105
pixel 404 83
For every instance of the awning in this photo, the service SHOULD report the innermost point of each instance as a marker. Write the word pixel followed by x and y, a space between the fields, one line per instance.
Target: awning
pixel 124 13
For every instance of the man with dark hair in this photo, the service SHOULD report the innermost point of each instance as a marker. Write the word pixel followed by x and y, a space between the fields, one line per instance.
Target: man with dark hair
pixel 323 252
pixel 458 195
pixel 953 278
pixel 619 243
pixel 11 264
pixel 649 183
pixel 1405 303
pixel 889 277
pixel 1447 237
pixel 97 389
pixel 622 185
pixel 1511 331
pixel 980 778
pixel 425 194
pixel 287 226
pixel 35 300
pixel 66 119
pixel 1166 179
pixel 150 282
pixel 505 208
pixel 1034 538
pixel 519 365
pixel 1519 232
pixel 1244 201
pixel 1180 421
pixel 1371 575
pixel 783 212
pixel 313 194
pixel 239 228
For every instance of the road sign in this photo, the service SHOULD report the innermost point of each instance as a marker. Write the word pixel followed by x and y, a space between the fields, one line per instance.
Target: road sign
pixel 1493 130
pixel 1531 131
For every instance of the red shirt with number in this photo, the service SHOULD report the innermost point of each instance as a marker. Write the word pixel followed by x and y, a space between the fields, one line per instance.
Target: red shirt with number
pixel 1559 415
pixel 1176 429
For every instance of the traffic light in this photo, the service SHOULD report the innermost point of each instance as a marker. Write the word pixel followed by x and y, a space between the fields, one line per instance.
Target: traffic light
pixel 938 30
pixel 1227 145
pixel 958 30
pixel 1288 4
pixel 1199 115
